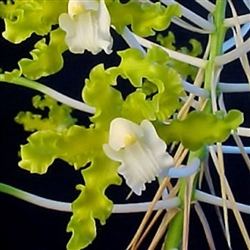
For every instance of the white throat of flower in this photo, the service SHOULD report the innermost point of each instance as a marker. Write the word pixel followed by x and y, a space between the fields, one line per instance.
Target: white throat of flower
pixel 142 154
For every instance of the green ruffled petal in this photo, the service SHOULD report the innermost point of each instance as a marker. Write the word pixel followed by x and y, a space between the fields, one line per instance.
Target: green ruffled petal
pixel 81 144
pixel 47 59
pixel 182 68
pixel 144 18
pixel 40 151
pixel 92 203
pixel 109 101
pixel 158 86
pixel 22 18
pixel 76 145
pixel 200 129
pixel 59 117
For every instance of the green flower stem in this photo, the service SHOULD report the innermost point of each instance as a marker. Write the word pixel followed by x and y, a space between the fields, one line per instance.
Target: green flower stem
pixel 224 87
pixel 234 87
pixel 66 207
pixel 212 70
pixel 197 62
pixel 246 2
pixel 242 19
pixel 217 39
pixel 217 201
pixel 194 89
pixel 193 17
pixel 231 41
pixel 143 207
pixel 206 4
pixel 241 131
pixel 48 91
pixel 232 149
pixel 234 54
pixel 34 199
pixel 131 41
pixel 174 233
pixel 118 208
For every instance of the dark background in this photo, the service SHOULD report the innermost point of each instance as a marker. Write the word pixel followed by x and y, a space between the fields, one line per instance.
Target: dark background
pixel 25 226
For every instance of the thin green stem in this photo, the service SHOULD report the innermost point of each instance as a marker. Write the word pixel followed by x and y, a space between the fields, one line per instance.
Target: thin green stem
pixel 216 44
pixel 174 233
pixel 212 71
pixel 34 199
pixel 48 91
pixel 118 208
pixel 66 207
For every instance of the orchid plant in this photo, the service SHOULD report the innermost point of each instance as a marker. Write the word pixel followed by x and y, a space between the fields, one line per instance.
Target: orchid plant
pixel 172 127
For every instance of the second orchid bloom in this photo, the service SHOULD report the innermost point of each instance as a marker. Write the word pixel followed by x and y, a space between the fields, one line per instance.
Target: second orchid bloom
pixel 87 26
pixel 142 154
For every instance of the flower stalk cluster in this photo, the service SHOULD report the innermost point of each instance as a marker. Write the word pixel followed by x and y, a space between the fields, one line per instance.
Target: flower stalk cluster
pixel 170 126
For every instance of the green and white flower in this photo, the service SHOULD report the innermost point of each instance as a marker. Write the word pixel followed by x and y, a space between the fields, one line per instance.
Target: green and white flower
pixel 142 154
pixel 87 26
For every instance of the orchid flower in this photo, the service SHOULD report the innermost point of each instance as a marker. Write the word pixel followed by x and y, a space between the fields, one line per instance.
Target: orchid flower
pixel 87 26
pixel 142 154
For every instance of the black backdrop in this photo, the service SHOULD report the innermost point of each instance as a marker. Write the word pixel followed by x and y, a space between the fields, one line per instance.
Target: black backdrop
pixel 25 226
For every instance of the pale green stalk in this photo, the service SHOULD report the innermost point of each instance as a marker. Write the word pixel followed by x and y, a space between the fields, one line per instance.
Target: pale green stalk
pixel 234 87
pixel 118 208
pixel 34 199
pixel 243 19
pixel 174 234
pixel 206 4
pixel 48 91
pixel 197 62
pixel 234 54
pixel 193 17
pixel 66 207
pixel 232 149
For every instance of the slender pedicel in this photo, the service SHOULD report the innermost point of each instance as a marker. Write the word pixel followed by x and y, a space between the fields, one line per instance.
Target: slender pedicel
pixel 194 89
pixel 50 92
pixel 193 17
pixel 231 41
pixel 232 149
pixel 178 21
pixel 239 40
pixel 131 41
pixel 200 63
pixel 247 3
pixel 35 199
pixel 217 201
pixel 118 208
pixel 240 145
pixel 143 207
pixel 243 131
pixel 243 19
pixel 234 54
pixel 66 207
pixel 206 4
pixel 234 87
